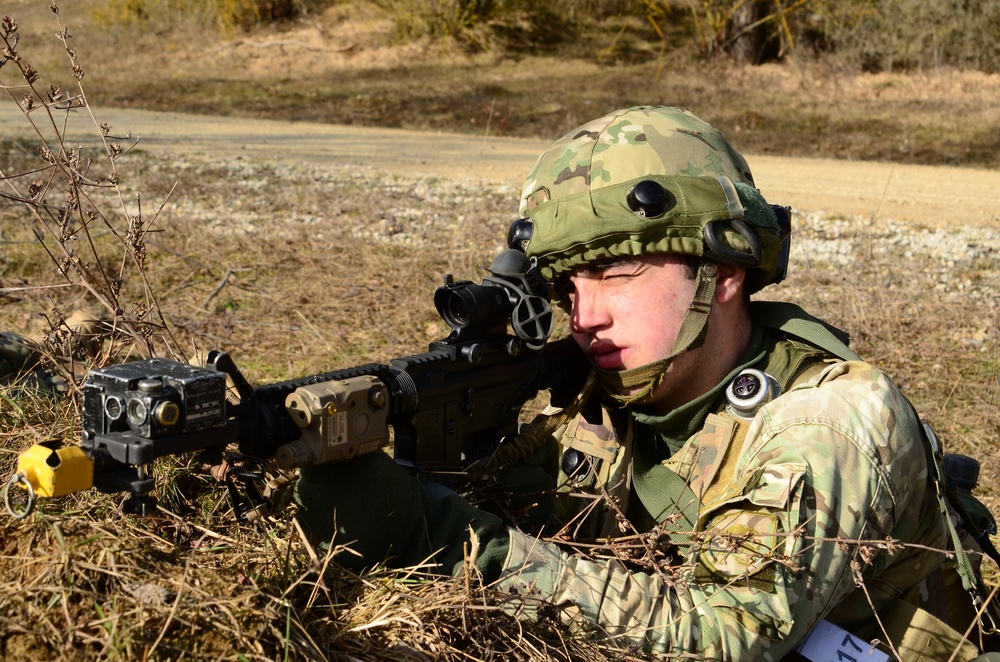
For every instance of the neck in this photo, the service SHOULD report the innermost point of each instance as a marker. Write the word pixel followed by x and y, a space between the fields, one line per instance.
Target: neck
pixel 697 372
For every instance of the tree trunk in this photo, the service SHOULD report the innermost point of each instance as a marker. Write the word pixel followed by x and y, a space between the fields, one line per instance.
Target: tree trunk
pixel 749 43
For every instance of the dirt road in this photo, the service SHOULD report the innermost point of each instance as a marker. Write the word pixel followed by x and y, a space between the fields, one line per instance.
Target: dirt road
pixel 936 196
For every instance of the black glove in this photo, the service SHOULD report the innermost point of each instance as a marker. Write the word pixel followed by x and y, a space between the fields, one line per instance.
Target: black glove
pixel 372 505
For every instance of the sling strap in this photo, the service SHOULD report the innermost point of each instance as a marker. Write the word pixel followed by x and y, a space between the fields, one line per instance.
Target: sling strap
pixel 794 321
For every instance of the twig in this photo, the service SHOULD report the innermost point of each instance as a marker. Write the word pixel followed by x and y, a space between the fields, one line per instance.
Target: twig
pixel 173 609
pixel 284 42
pixel 979 615
pixel 27 288
pixel 218 288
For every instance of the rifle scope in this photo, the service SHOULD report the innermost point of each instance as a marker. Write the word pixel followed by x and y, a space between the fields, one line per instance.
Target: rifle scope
pixel 514 292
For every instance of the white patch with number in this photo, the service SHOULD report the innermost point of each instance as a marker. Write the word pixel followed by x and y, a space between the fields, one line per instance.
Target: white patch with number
pixel 832 643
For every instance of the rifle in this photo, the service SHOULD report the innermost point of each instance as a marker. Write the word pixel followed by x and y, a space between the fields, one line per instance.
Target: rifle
pixel 441 410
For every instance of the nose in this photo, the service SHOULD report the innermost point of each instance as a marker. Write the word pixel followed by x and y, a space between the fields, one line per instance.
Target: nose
pixel 589 312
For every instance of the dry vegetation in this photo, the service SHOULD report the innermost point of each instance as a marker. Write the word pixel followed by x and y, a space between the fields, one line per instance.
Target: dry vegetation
pixel 296 270
pixel 345 65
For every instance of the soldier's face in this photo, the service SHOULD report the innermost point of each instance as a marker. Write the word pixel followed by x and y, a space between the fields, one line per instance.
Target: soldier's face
pixel 627 313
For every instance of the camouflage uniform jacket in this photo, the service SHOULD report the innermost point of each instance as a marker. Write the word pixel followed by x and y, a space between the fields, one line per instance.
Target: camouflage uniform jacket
pixel 795 508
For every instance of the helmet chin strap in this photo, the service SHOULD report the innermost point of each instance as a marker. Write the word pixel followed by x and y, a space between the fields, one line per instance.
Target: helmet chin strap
pixel 691 335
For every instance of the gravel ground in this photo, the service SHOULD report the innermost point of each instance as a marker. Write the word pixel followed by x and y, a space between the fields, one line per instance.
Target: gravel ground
pixel 283 180
pixel 959 263
pixel 927 194
pixel 284 201
pixel 840 264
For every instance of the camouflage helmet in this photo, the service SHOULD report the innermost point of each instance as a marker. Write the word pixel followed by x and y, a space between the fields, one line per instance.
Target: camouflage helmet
pixel 649 179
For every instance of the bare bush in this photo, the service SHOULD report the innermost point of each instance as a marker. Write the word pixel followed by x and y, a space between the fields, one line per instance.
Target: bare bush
pixel 892 35
pixel 71 201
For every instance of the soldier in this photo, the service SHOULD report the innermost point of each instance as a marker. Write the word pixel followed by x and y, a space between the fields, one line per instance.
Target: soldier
pixel 788 483
pixel 22 367
pixel 73 340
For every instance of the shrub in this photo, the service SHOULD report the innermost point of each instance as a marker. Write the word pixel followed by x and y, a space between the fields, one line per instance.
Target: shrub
pixel 883 35
pixel 752 31
pixel 878 35
pixel 227 15
pixel 516 25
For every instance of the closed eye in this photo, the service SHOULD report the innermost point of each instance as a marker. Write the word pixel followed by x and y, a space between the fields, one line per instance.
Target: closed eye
pixel 621 269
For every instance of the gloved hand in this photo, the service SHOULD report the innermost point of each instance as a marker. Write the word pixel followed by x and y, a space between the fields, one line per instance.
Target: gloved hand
pixel 373 505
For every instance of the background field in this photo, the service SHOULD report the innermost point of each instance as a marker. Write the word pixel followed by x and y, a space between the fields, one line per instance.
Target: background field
pixel 296 268
pixel 346 64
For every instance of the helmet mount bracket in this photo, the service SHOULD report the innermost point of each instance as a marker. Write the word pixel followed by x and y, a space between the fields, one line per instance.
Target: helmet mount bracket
pixel 718 251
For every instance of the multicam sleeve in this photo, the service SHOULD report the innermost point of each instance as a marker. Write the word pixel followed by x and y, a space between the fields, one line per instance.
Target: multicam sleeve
pixel 21 367
pixel 831 462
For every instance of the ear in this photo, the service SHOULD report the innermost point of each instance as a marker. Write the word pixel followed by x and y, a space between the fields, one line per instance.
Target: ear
pixel 729 283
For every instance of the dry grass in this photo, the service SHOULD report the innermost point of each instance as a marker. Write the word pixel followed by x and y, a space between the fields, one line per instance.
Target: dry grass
pixel 199 587
pixel 296 270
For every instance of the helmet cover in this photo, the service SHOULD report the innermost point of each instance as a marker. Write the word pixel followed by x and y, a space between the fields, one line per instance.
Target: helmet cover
pixel 585 204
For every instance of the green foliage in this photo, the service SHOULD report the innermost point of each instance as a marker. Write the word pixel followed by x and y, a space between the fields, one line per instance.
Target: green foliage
pixel 878 35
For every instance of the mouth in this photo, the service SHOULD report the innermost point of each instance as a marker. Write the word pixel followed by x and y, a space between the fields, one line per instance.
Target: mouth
pixel 606 355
